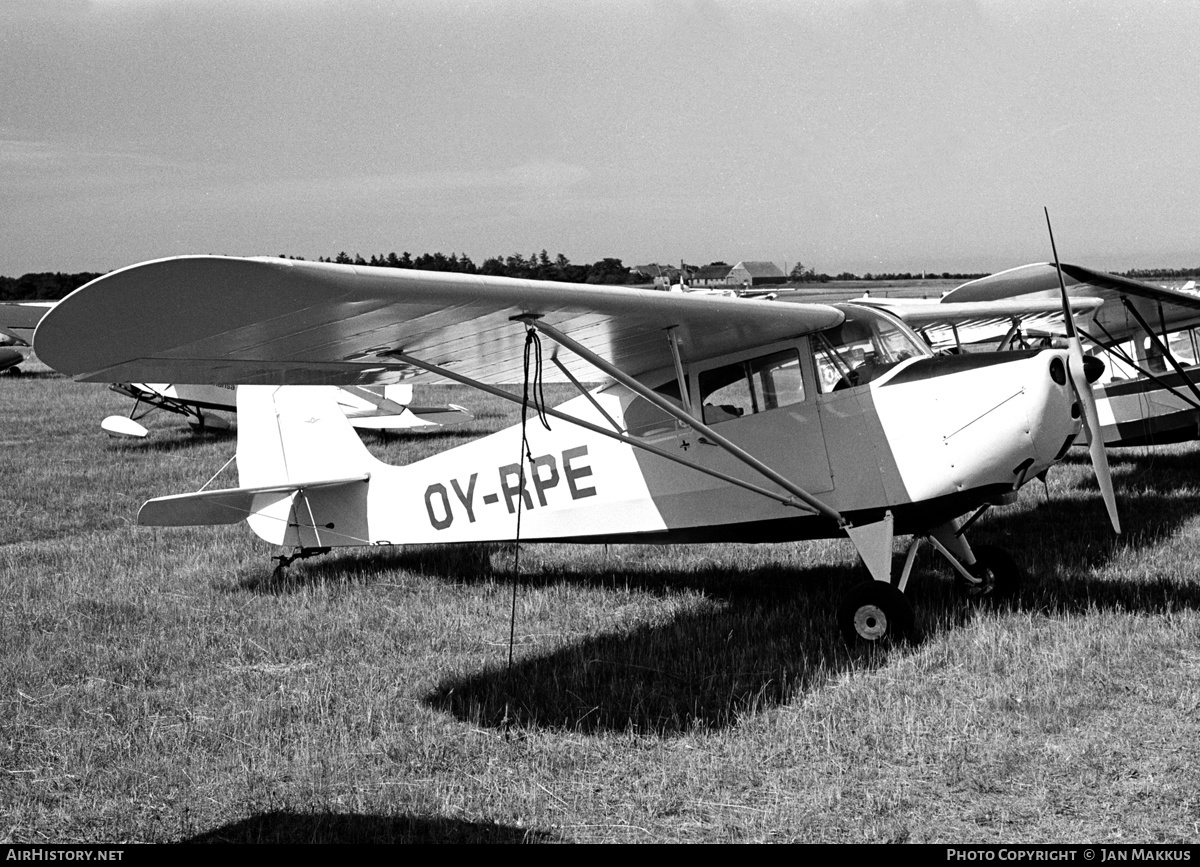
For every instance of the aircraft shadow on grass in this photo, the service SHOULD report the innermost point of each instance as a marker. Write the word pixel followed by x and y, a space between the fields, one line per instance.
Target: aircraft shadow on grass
pixel 293 827
pixel 756 637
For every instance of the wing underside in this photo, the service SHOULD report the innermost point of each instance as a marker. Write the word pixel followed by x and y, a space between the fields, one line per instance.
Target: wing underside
pixel 225 320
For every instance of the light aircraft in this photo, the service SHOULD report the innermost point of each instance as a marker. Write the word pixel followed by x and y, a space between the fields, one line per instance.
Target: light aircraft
pixel 1150 335
pixel 720 419
pixel 378 408
pixel 18 319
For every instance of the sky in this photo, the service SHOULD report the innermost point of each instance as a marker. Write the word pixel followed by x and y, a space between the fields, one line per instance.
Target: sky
pixel 852 135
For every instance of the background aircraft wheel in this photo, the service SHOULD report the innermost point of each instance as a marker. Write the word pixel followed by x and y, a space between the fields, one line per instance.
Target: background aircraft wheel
pixel 1000 574
pixel 873 613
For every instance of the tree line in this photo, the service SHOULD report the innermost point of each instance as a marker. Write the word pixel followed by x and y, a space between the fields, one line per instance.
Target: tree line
pixel 538 266
pixel 43 287
pixel 51 286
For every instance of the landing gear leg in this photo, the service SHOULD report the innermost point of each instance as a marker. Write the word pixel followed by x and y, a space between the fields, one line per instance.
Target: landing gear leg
pixel 981 572
pixel 995 575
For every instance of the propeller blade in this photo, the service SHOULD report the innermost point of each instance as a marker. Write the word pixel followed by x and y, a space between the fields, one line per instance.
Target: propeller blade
pixel 1083 391
pixel 1091 426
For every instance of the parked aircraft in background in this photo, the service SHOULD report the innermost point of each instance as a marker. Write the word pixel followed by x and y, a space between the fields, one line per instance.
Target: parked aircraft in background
pixel 18 319
pixel 990 326
pixel 382 408
pixel 1148 335
pixel 378 408
pixel 722 419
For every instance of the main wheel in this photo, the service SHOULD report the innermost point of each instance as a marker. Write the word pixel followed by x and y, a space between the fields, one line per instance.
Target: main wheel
pixel 873 613
pixel 999 575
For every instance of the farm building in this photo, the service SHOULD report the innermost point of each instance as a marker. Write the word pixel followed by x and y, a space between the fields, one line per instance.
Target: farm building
pixel 755 274
pixel 711 275
pixel 662 276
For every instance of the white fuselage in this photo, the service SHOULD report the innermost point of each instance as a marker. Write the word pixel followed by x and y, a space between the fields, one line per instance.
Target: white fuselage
pixel 929 440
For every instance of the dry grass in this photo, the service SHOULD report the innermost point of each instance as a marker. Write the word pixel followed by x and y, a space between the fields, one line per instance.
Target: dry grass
pixel 158 686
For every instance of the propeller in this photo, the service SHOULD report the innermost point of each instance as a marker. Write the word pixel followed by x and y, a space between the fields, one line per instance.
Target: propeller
pixel 1077 366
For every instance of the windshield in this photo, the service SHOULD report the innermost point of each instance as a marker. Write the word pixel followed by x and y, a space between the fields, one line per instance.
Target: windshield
pixel 862 348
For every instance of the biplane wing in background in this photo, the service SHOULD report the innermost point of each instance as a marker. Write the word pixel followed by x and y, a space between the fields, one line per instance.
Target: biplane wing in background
pixel 1149 335
pixel 1018 323
pixel 18 320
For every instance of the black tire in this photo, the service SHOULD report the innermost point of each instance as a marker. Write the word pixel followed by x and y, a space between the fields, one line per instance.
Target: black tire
pixel 999 573
pixel 874 613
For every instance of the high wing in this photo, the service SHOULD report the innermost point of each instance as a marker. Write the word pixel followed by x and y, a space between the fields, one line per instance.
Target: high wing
pixel 1113 321
pixel 245 321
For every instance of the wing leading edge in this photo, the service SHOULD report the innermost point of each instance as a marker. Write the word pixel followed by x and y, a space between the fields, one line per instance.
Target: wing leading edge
pixel 208 319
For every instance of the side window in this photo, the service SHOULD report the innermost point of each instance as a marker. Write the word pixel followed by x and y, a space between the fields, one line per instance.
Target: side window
pixel 1183 346
pixel 643 419
pixel 748 387
pixel 778 378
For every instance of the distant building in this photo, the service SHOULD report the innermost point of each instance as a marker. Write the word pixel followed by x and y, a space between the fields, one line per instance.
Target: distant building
pixel 755 274
pixel 647 273
pixel 662 276
pixel 711 275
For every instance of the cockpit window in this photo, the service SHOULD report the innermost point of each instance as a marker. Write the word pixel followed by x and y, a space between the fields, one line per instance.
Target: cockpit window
pixel 862 348
pixel 751 386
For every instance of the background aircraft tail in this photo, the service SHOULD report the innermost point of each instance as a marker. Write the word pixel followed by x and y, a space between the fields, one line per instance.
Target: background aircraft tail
pixel 295 435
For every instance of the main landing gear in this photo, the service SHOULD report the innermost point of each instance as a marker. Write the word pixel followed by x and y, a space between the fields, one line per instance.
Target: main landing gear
pixel 876 613
pixel 873 613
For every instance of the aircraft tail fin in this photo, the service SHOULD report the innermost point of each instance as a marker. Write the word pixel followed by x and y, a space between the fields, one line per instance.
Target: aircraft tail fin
pixel 304 473
pixel 298 438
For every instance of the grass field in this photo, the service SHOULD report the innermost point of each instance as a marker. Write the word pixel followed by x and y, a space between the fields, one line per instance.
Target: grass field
pixel 160 686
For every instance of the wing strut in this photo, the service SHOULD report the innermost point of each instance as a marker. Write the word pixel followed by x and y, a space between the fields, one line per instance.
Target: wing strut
pixel 696 425
pixel 411 361
pixel 680 377
pixel 1160 346
pixel 1113 348
pixel 592 400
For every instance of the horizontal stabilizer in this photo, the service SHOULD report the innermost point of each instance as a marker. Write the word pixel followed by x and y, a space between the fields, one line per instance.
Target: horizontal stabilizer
pixel 372 408
pixel 227 506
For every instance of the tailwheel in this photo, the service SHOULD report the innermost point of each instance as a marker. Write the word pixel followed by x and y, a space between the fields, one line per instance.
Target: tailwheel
pixel 999 575
pixel 283 561
pixel 874 613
